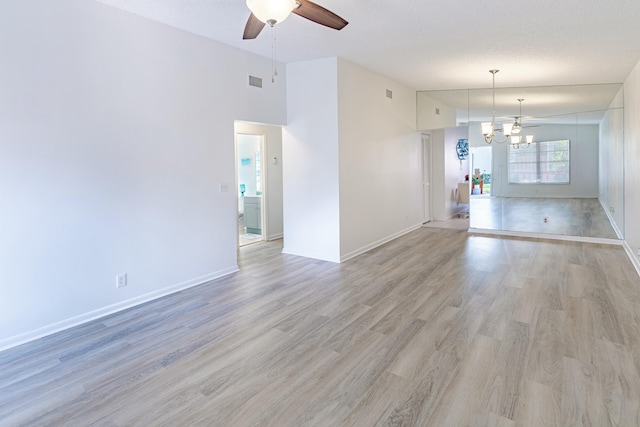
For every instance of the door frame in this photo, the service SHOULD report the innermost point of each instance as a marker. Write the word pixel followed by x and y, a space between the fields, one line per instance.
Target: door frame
pixel 425 185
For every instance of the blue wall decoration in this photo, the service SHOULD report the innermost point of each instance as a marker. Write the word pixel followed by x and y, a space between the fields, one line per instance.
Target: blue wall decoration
pixel 462 149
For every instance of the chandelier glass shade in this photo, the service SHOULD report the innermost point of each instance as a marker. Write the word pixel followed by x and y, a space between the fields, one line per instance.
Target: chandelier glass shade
pixel 271 11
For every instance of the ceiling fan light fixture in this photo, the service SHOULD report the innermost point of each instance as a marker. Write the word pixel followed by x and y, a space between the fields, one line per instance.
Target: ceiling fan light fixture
pixel 517 126
pixel 271 11
pixel 518 142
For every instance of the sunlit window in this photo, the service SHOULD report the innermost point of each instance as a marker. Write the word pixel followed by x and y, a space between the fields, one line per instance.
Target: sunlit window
pixel 544 162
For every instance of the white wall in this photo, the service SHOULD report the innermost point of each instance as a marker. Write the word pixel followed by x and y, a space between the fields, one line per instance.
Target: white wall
pixel 584 165
pixel 380 159
pixel 433 114
pixel 352 160
pixel 611 162
pixel 311 205
pixel 116 134
pixel 271 174
pixel 631 161
pixel 447 171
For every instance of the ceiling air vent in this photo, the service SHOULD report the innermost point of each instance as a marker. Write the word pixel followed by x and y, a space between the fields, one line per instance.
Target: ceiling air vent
pixel 255 81
pixel 389 94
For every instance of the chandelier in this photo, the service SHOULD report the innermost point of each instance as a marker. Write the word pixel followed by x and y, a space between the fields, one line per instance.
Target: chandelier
pixel 509 130
pixel 517 141
pixel 488 129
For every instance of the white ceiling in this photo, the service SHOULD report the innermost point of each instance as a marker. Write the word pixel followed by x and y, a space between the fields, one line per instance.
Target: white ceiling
pixel 446 44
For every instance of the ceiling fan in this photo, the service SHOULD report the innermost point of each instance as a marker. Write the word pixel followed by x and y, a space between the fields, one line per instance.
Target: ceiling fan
pixel 274 11
pixel 517 126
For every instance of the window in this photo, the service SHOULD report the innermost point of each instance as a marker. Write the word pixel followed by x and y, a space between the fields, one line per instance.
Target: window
pixel 544 162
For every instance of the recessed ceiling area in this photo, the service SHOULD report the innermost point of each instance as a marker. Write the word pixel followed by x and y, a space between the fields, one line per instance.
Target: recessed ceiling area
pixel 428 45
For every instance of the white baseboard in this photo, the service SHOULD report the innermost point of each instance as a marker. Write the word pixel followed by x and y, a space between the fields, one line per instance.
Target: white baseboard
pixel 543 236
pixel 318 256
pixel 632 256
pixel 611 220
pixel 110 309
pixel 377 243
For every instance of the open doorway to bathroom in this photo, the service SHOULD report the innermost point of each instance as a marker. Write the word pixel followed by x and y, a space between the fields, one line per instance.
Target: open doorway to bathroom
pixel 250 179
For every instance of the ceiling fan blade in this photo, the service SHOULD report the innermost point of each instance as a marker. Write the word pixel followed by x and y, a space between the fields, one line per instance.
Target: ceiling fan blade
pixel 253 28
pixel 499 129
pixel 319 15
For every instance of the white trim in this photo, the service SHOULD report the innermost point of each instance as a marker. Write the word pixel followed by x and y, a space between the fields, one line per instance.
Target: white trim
pixel 632 257
pixel 110 309
pixel 427 208
pixel 581 239
pixel 611 220
pixel 377 243
pixel 275 236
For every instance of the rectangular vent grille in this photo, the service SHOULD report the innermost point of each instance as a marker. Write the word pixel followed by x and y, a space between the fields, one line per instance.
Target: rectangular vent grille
pixel 389 94
pixel 255 81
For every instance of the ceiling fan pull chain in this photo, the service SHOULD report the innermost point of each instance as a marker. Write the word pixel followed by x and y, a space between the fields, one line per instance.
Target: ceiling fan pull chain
pixel 273 54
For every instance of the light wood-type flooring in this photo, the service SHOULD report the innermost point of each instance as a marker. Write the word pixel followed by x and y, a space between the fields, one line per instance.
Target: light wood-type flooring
pixel 436 328
pixel 569 217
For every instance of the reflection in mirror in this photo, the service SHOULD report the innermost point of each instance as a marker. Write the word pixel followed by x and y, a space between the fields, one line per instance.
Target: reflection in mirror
pixel 586 202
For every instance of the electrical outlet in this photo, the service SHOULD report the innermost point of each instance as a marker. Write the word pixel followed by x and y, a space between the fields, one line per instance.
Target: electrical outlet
pixel 545 219
pixel 121 280
pixel 612 209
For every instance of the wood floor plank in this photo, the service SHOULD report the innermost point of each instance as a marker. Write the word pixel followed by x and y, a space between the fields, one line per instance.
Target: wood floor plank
pixel 508 378
pixel 579 338
pixel 415 357
pixel 414 405
pixel 545 359
pixel 460 401
pixel 581 396
pixel 539 407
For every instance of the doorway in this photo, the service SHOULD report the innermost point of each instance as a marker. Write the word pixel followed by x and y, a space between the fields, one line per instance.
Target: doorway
pixel 250 179
pixel 481 171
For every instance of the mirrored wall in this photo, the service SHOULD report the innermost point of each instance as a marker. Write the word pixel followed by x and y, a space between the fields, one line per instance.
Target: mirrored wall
pixel 568 181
